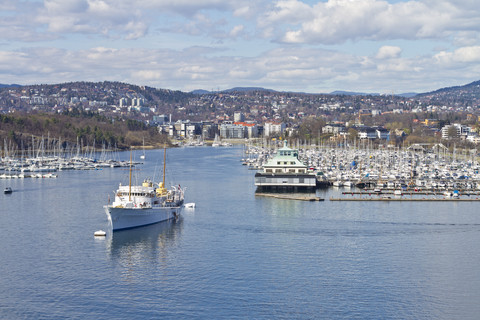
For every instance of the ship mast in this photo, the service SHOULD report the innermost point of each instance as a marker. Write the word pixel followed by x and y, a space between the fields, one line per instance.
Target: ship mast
pixel 164 162
pixel 130 179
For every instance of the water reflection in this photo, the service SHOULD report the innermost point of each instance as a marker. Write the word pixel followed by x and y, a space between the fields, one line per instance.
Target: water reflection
pixel 149 242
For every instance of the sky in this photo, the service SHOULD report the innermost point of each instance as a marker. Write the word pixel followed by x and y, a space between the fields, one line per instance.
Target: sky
pixel 314 46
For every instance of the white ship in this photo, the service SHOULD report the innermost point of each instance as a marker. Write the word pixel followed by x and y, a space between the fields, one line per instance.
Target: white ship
pixel 149 203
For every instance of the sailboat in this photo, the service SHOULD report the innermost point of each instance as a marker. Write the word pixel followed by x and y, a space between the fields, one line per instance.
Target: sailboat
pixel 216 141
pixel 144 204
pixel 143 155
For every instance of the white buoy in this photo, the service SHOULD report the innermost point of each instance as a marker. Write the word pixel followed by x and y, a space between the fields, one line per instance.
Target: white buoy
pixel 100 233
pixel 190 205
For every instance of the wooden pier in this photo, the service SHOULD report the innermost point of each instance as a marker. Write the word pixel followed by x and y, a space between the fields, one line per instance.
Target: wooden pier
pixel 302 197
pixel 412 193
pixel 406 199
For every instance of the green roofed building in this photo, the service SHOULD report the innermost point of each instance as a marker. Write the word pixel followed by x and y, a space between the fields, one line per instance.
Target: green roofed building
pixel 285 172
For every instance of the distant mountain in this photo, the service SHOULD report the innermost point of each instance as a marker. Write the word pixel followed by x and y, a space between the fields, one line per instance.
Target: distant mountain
pixel 200 91
pixel 236 89
pixel 9 85
pixel 407 94
pixel 244 89
pixel 351 93
pixel 466 95
pixel 472 87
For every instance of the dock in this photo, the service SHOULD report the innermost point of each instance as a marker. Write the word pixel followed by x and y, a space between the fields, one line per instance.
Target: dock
pixel 405 199
pixel 412 193
pixel 302 197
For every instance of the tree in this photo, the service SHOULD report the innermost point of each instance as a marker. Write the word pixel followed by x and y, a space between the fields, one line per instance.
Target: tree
pixel 452 133
pixel 352 134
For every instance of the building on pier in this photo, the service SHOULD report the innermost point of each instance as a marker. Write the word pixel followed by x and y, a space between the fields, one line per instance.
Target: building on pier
pixel 285 173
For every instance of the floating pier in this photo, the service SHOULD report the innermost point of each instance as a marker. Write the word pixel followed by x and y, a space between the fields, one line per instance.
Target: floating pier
pixel 412 193
pixel 306 197
pixel 405 199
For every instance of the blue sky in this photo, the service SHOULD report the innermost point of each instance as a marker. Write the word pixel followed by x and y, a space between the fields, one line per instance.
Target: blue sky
pixel 383 46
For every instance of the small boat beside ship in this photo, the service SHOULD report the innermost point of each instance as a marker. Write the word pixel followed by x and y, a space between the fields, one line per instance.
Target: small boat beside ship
pixel 144 204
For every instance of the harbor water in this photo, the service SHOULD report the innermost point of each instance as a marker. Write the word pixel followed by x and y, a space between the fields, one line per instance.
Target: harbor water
pixel 235 256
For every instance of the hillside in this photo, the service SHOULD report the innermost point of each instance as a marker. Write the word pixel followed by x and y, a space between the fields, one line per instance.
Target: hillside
pixel 77 127
pixel 466 95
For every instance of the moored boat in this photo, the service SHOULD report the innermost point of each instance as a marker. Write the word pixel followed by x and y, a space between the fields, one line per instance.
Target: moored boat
pixel 7 190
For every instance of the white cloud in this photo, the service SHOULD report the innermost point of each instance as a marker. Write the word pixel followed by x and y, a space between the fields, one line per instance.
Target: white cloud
pixel 291 68
pixel 128 20
pixel 256 29
pixel 135 30
pixel 337 21
pixel 291 21
pixel 460 55
pixel 287 11
pixel 64 7
pixel 148 75
pixel 236 31
pixel 388 52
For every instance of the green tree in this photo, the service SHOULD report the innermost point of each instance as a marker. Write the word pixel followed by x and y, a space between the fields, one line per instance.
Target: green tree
pixel 352 134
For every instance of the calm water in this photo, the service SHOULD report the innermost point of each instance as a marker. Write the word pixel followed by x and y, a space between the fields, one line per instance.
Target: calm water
pixel 236 256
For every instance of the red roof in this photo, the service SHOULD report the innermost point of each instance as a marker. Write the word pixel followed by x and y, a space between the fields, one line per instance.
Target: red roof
pixel 245 124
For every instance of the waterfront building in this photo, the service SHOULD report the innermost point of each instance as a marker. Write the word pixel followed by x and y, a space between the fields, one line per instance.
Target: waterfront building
pixel 238 117
pixel 285 172
pixel 366 133
pixel 382 133
pixel 232 131
pixel 334 128
pixel 250 128
pixel 461 130
pixel 274 128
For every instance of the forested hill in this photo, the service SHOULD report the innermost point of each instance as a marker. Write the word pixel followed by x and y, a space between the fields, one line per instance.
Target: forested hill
pixel 466 95
pixel 86 128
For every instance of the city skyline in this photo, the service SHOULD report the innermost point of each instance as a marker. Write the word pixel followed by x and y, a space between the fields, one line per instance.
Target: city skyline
pixel 310 46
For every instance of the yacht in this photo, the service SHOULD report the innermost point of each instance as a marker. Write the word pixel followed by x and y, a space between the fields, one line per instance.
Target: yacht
pixel 144 204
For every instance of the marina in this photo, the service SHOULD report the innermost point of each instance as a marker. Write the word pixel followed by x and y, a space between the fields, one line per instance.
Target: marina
pixel 48 158
pixel 363 166
pixel 405 199
pixel 236 253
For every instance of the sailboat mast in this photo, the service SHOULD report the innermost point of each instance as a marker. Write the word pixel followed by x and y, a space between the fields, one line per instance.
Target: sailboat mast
pixel 130 179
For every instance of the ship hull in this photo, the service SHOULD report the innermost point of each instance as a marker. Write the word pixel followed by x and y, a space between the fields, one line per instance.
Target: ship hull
pixel 127 218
